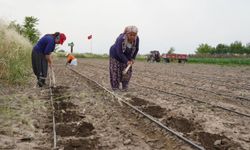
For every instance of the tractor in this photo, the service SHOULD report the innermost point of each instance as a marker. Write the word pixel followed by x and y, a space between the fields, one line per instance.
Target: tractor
pixel 154 56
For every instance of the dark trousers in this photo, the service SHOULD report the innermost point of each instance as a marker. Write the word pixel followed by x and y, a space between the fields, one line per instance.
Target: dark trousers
pixel 115 70
pixel 39 65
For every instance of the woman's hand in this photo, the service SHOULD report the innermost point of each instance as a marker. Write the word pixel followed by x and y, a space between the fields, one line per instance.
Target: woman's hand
pixel 50 65
pixel 130 62
pixel 49 59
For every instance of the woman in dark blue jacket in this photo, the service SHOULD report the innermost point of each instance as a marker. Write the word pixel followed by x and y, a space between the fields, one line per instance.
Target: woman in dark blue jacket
pixel 41 55
pixel 122 54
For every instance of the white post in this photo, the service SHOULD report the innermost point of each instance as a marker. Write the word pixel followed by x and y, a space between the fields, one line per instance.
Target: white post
pixel 91 45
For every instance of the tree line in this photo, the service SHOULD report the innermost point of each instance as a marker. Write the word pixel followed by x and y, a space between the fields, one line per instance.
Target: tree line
pixel 234 48
pixel 27 29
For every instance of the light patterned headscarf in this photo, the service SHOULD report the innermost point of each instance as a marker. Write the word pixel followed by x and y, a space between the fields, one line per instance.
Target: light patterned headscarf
pixel 125 43
pixel 129 29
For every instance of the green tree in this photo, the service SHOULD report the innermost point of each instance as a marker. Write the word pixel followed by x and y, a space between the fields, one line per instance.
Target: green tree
pixel 237 48
pixel 221 49
pixel 247 48
pixel 171 50
pixel 204 49
pixel 16 26
pixel 29 29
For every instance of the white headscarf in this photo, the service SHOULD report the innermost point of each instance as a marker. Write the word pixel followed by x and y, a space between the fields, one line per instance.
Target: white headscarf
pixel 129 29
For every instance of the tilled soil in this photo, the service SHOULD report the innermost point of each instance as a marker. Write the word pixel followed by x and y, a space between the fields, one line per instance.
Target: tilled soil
pixel 88 118
pixel 24 118
pixel 178 108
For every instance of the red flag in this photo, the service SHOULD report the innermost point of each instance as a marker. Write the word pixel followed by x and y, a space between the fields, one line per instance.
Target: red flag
pixel 89 37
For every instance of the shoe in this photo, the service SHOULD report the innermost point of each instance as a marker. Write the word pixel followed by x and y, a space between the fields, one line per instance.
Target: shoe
pixel 40 84
pixel 43 81
pixel 124 90
pixel 115 89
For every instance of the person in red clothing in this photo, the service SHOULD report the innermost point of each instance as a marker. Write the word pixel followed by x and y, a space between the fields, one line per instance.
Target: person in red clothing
pixel 71 60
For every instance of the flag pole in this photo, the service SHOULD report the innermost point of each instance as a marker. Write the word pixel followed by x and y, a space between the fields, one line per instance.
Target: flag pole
pixel 90 38
pixel 91 44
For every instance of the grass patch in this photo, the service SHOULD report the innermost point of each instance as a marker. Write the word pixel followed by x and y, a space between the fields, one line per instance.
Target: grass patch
pixel 15 56
pixel 141 57
pixel 221 61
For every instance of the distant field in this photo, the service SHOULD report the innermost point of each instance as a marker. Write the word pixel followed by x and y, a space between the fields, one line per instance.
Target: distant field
pixel 221 61
pixel 218 61
pixel 83 55
pixel 101 56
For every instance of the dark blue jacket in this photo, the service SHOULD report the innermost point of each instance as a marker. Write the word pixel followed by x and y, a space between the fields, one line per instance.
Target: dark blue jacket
pixel 45 45
pixel 117 50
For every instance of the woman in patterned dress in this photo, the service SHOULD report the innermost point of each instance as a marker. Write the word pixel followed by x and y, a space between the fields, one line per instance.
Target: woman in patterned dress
pixel 122 54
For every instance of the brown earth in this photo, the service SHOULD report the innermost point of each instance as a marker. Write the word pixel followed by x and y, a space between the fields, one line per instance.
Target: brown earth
pixel 88 118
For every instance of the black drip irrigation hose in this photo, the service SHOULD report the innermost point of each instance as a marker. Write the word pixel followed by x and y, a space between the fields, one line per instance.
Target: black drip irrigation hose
pixel 120 99
pixel 198 88
pixel 193 99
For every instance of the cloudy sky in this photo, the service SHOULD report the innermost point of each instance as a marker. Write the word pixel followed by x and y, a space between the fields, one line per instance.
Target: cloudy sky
pixel 182 24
